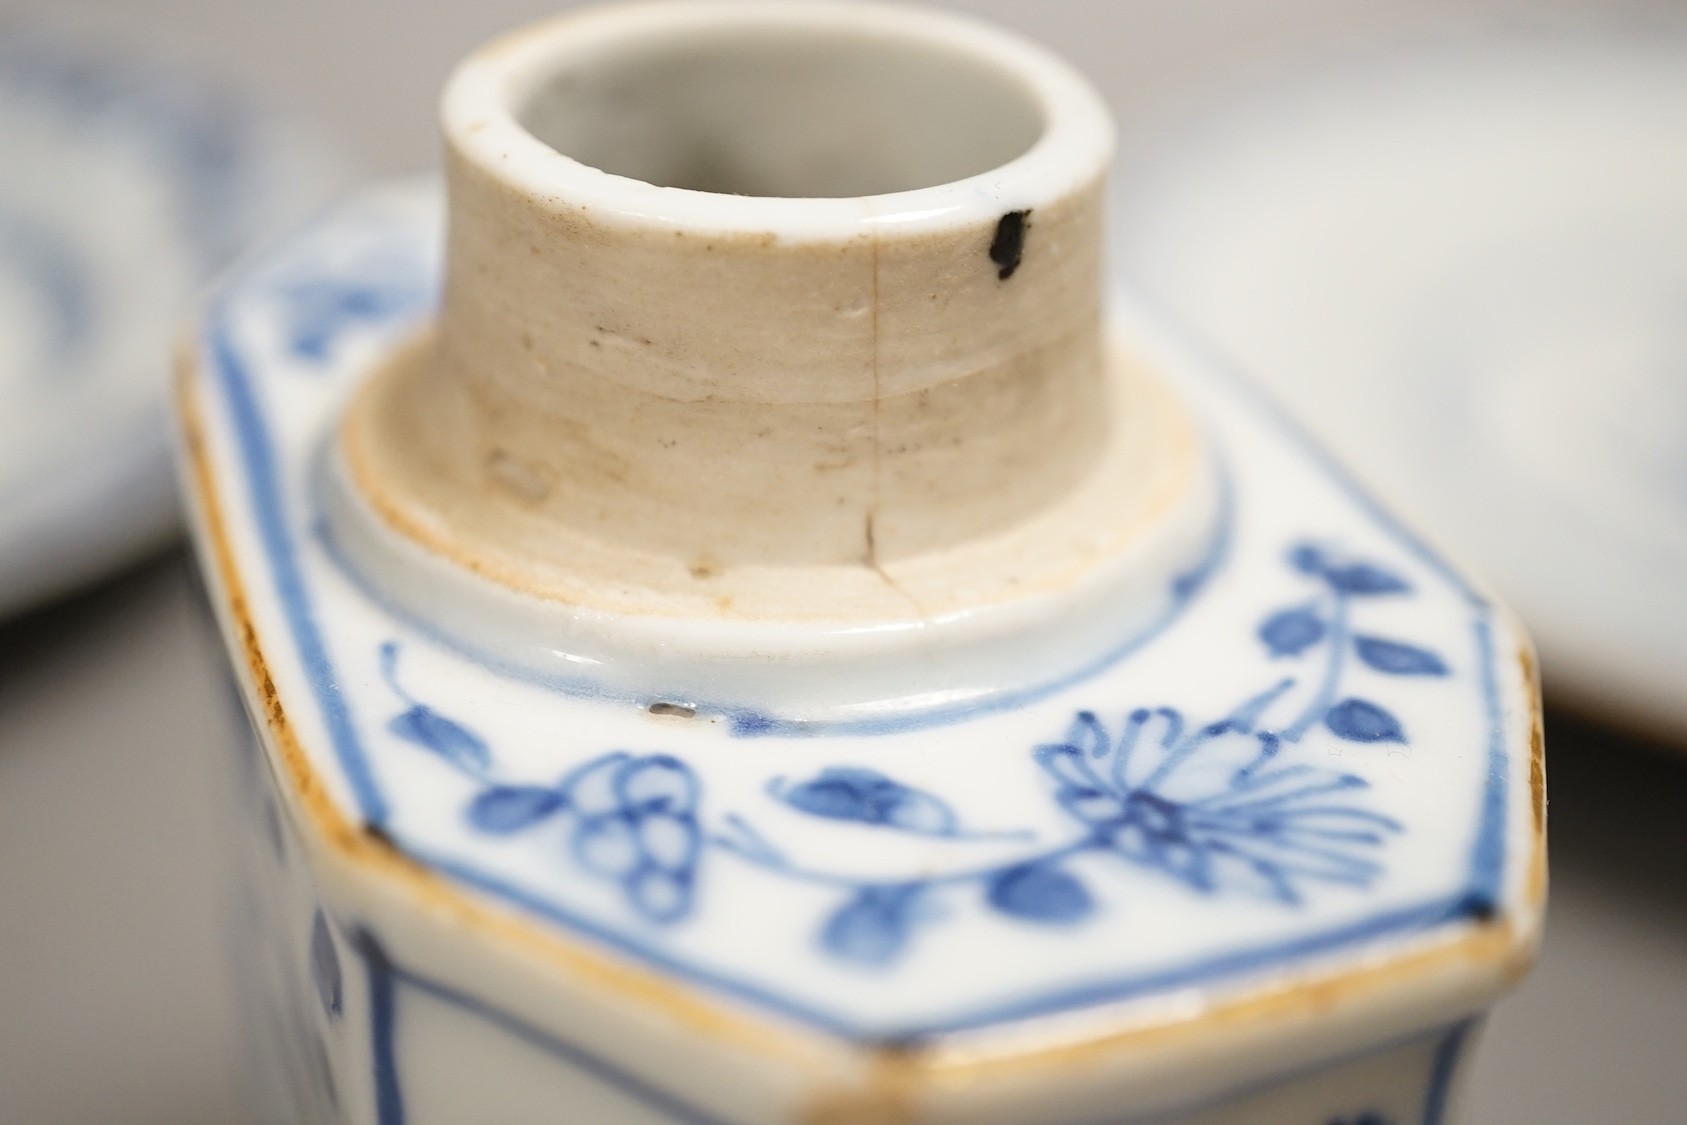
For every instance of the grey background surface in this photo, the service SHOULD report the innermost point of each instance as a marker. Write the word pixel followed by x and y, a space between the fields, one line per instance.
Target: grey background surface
pixel 114 1000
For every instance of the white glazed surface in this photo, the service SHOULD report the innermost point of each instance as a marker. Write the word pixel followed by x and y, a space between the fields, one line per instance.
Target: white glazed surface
pixel 1465 271
pixel 125 186
pixel 1399 791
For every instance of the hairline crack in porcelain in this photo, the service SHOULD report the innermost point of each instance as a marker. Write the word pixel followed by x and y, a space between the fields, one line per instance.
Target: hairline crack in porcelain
pixel 1263 856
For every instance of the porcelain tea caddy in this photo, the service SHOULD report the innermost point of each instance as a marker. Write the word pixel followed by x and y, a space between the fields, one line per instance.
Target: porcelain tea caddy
pixel 739 630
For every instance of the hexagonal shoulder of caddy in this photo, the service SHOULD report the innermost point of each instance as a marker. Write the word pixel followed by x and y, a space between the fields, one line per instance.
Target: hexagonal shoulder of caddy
pixel 772 644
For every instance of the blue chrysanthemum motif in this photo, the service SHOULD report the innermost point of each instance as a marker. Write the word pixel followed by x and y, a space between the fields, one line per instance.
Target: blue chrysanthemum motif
pixel 1252 824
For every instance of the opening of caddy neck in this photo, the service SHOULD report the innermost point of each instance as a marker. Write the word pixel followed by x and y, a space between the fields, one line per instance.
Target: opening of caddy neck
pixel 783 111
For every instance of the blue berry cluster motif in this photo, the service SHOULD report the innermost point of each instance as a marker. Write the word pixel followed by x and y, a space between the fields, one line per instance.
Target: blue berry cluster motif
pixel 632 819
pixel 1215 805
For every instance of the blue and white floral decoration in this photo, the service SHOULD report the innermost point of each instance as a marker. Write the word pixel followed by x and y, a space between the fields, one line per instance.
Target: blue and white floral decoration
pixel 1307 759
pixel 1270 825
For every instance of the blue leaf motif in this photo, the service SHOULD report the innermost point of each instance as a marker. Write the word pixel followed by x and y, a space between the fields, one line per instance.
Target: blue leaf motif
pixel 869 797
pixel 1307 559
pixel 871 929
pixel 922 813
pixel 1364 579
pixel 1290 632
pixel 1360 720
pixel 1039 892
pixel 451 740
pixel 1398 658
pixel 504 809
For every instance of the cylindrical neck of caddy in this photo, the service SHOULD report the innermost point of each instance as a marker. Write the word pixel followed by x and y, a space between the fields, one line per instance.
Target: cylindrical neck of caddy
pixel 771 284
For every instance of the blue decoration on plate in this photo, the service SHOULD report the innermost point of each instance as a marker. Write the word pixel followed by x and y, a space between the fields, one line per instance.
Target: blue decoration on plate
pixel 48 264
pixel 127 183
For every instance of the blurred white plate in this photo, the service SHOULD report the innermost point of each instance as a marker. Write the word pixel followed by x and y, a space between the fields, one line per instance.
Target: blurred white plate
pixel 1467 272
pixel 123 187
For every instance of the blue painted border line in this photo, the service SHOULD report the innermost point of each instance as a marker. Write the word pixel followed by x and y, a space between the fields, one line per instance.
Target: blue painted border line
pixel 389 1092
pixel 1486 873
pixel 1441 1075
pixel 269 510
pixel 385 976
pixel 1487 859
pixel 1107 990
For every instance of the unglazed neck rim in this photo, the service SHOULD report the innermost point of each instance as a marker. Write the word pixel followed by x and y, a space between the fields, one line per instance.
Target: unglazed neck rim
pixel 807 456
